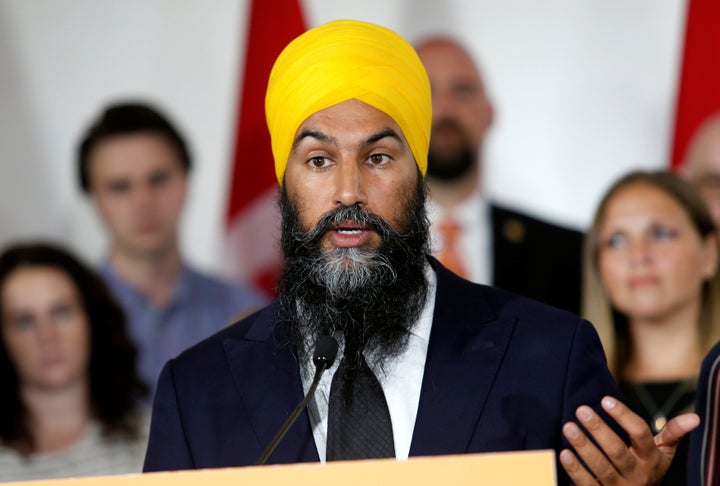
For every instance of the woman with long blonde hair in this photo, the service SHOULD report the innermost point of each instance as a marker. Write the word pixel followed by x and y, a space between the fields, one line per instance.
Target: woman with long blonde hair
pixel 652 289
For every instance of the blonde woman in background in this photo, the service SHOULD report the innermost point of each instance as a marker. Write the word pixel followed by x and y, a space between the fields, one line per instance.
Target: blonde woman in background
pixel 652 289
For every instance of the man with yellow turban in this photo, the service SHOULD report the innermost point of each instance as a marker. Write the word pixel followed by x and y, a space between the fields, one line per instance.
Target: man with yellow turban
pixel 430 363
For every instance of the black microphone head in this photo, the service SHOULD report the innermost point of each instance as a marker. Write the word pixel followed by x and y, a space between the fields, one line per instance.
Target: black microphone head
pixel 326 348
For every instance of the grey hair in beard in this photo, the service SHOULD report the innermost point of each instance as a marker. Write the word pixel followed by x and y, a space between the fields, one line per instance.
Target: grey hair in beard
pixel 370 297
pixel 346 270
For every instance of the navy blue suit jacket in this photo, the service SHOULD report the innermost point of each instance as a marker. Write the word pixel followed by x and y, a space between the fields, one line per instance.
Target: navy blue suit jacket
pixel 704 460
pixel 502 373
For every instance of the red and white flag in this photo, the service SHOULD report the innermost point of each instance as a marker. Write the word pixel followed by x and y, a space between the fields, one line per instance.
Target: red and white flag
pixel 699 86
pixel 252 246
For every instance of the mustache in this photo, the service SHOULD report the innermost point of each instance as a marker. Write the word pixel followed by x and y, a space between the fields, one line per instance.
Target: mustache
pixel 372 296
pixel 341 214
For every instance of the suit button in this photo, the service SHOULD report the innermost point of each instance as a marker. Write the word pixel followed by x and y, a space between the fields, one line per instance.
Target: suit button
pixel 514 230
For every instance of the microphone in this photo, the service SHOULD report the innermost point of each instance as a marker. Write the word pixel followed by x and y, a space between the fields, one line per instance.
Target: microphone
pixel 326 348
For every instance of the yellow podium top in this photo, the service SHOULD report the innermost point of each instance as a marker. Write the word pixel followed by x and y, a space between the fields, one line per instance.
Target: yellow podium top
pixel 535 468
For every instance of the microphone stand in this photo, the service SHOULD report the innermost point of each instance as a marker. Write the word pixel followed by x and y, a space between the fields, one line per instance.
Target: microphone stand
pixel 325 352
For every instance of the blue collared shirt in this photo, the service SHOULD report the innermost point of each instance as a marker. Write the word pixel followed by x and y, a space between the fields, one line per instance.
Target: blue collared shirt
pixel 200 306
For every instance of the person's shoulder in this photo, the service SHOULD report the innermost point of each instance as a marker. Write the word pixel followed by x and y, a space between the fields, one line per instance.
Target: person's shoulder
pixel 712 359
pixel 208 359
pixel 204 280
pixel 502 303
pixel 512 219
pixel 546 336
pixel 526 310
pixel 714 353
pixel 255 326
pixel 222 289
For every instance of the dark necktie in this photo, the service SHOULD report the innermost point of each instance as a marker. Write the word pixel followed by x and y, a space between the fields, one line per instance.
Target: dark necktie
pixel 359 425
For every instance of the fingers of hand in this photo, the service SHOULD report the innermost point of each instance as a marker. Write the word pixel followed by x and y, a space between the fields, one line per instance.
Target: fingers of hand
pixel 610 458
pixel 641 438
pixel 671 434
pixel 578 474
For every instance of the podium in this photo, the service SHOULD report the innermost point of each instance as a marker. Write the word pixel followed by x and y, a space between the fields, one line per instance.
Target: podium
pixel 536 468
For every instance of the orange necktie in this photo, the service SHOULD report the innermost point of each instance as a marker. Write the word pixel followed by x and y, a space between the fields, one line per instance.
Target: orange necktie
pixel 450 253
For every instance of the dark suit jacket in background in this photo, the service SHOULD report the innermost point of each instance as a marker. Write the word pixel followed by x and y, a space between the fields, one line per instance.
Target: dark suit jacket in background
pixel 536 259
pixel 502 373
pixel 704 459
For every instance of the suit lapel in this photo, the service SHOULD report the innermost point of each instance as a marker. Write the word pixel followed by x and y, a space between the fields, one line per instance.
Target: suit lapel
pixel 271 392
pixel 467 344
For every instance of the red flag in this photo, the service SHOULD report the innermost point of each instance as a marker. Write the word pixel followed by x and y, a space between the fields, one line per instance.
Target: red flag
pixel 699 94
pixel 252 251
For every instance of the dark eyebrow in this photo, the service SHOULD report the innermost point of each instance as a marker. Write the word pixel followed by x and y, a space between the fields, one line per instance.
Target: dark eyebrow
pixel 323 137
pixel 385 133
pixel 316 134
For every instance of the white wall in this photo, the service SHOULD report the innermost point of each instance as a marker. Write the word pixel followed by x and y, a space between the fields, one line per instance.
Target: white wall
pixel 584 90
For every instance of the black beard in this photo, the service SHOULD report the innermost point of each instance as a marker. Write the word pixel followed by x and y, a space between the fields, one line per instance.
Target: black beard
pixel 367 297
pixel 454 165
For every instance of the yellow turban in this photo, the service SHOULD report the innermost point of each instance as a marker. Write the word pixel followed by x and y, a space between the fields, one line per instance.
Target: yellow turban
pixel 342 60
